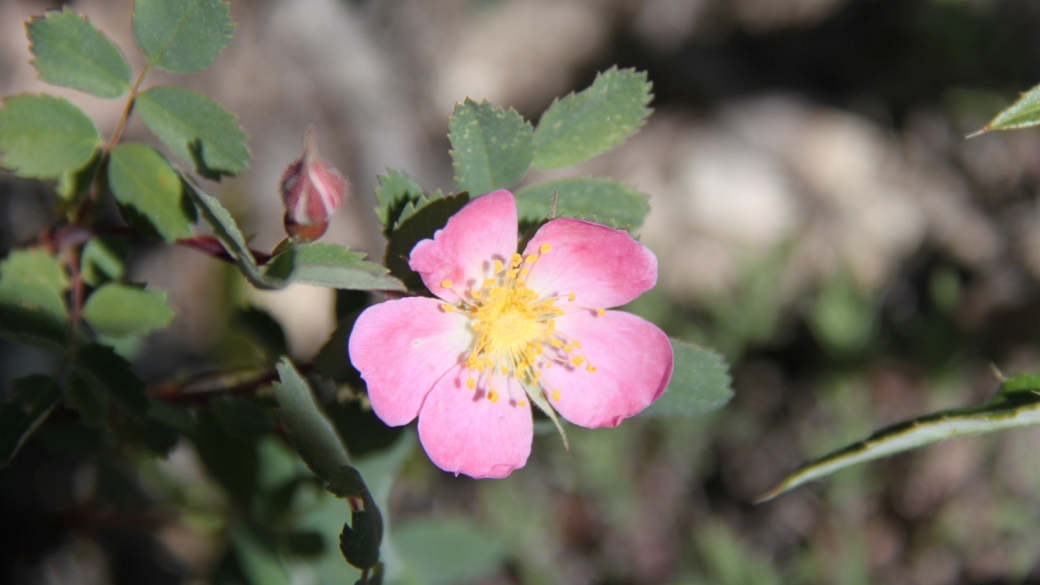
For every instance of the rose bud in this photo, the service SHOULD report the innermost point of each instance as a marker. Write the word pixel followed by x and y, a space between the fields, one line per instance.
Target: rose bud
pixel 312 190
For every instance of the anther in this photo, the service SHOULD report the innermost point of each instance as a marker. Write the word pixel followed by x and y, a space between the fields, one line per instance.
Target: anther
pixel 545 248
pixel 591 369
pixel 556 395
pixel 498 266
pixel 522 404
pixel 601 312
pixel 531 259
pixel 505 371
pixel 471 383
pixel 516 259
pixel 448 308
pixel 446 284
pixel 492 396
pixel 577 360
pixel 570 297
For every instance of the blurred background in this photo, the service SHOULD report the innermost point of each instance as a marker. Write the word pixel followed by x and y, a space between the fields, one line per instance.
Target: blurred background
pixel 819 218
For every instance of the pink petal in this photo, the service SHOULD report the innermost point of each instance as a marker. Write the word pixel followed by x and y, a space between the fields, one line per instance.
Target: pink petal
pixel 402 348
pixel 464 432
pixel 602 266
pixel 465 250
pixel 633 361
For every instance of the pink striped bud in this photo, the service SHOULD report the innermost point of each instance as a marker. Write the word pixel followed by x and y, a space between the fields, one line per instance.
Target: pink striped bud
pixel 312 190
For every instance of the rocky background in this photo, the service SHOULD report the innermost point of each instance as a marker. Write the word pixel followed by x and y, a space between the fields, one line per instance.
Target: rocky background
pixel 819 218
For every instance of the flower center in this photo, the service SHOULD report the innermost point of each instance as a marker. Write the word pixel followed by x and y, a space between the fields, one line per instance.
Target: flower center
pixel 515 328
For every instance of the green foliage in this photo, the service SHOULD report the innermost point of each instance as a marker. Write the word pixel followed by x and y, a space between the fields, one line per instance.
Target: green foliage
pixel 184 36
pixel 331 266
pixel 1016 404
pixel 700 384
pixel 226 230
pixel 89 400
pixel 98 263
pixel 120 310
pixel 729 562
pixel 196 128
pixel 492 148
pixel 398 198
pixel 311 432
pixel 584 125
pixel 592 198
pixel 141 178
pixel 420 226
pixel 1024 113
pixel 72 53
pixel 240 417
pixel 42 136
pixel 107 372
pixel 33 327
pixel 72 182
pixel 33 399
pixel 263 329
pixel 843 318
pixel 445 551
pixel 33 279
pixel 360 540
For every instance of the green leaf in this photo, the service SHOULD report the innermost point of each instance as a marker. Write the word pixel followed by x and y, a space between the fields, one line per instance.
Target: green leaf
pixel 241 418
pixel 72 53
pixel 445 551
pixel 1024 113
pixel 89 401
pixel 42 136
pixel 418 227
pixel 309 429
pixel 226 230
pixel 396 193
pixel 33 327
pixel 184 36
pixel 109 373
pixel 120 310
pixel 592 198
pixel 34 398
pixel 1016 404
pixel 141 178
pixel 262 329
pixel 359 542
pixel 492 148
pixel 99 263
pixel 584 125
pixel 700 384
pixel 332 266
pixel 233 462
pixel 72 182
pixel 33 279
pixel 197 129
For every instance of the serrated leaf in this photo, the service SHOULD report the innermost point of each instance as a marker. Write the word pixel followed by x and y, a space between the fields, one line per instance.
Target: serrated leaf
pixel 584 125
pixel 309 429
pixel 331 266
pixel 120 310
pixel 99 263
pixel 72 53
pixel 141 178
pixel 42 136
pixel 184 36
pixel 1024 113
pixel 1016 404
pixel 492 148
pixel 75 181
pixel 420 226
pixel 359 542
pixel 89 401
pixel 196 128
pixel 395 191
pixel 444 551
pixel 33 327
pixel 101 367
pixel 33 279
pixel 700 384
pixel 593 198
pixel 34 398
pixel 225 229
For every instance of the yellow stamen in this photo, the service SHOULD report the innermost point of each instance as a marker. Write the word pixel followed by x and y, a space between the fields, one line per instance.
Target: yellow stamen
pixel 493 396
pixel 545 248
pixel 471 383
pixel 556 395
pixel 448 308
pixel 591 369
pixel 531 259
pixel 555 343
pixel 522 404
pixel 601 312
pixel 516 260
pixel 576 343
pixel 577 360
pixel 488 283
pixel 498 266
pixel 447 284
pixel 505 371
pixel 570 297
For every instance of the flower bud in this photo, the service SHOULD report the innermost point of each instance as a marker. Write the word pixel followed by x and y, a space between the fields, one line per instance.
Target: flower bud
pixel 312 190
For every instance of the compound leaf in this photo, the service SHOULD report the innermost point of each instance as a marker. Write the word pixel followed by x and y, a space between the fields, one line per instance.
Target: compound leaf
pixel 120 310
pixel 141 178
pixel 42 136
pixel 593 198
pixel 184 36
pixel 492 148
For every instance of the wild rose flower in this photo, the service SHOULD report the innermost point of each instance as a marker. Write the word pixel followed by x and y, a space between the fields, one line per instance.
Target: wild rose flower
pixel 508 328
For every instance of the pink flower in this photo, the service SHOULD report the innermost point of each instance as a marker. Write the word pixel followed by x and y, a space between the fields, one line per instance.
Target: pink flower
pixel 507 328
